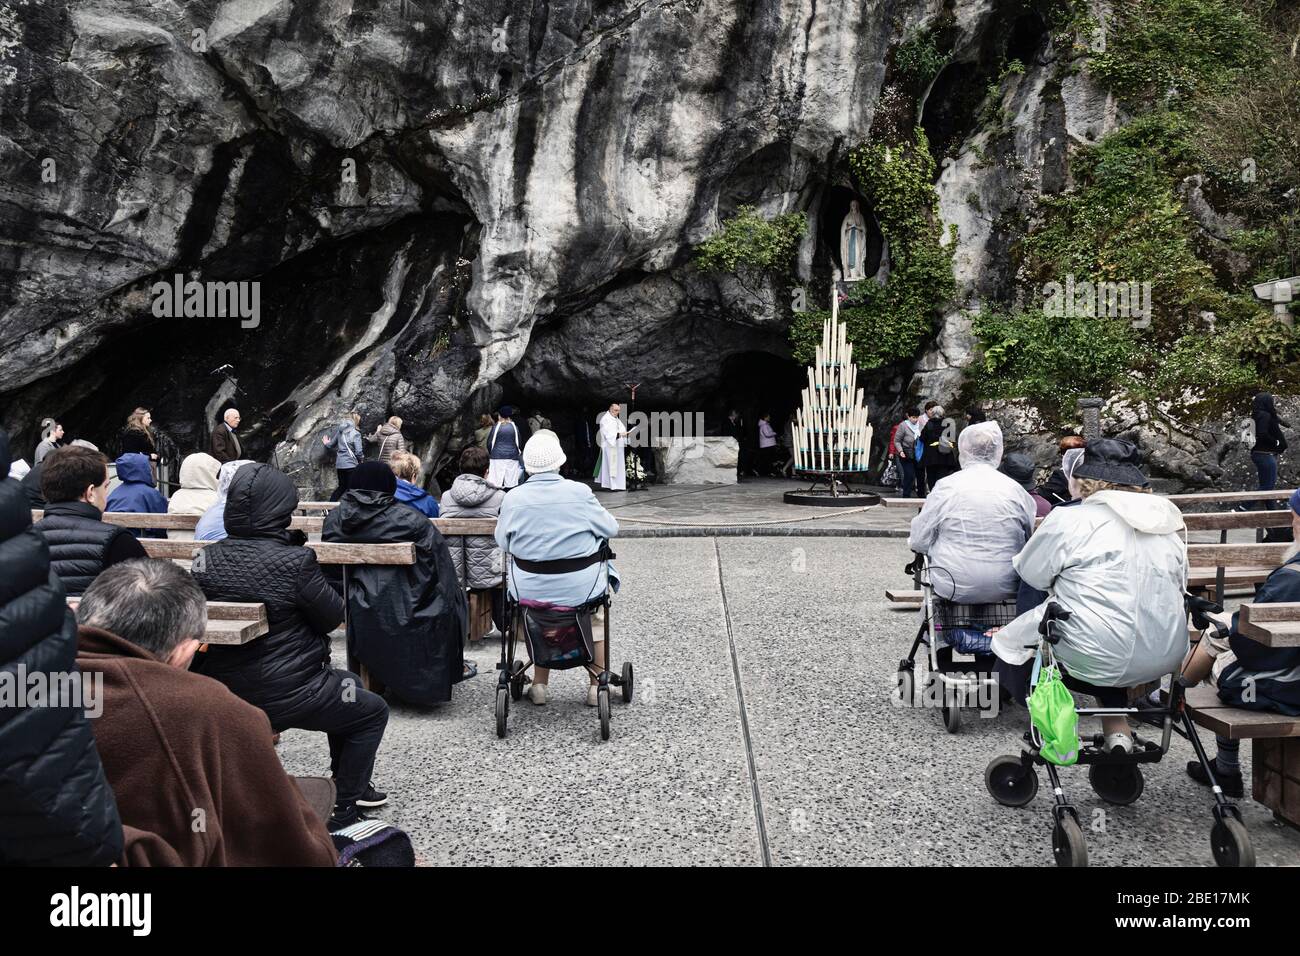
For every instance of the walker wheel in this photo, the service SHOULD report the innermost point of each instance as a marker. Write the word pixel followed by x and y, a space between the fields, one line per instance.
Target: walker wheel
pixel 602 706
pixel 517 681
pixel 951 716
pixel 905 693
pixel 629 683
pixel 1231 844
pixel 503 710
pixel 1011 783
pixel 1116 783
pixel 1068 845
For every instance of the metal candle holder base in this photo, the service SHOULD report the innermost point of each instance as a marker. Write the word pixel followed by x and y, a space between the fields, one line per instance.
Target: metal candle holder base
pixel 836 494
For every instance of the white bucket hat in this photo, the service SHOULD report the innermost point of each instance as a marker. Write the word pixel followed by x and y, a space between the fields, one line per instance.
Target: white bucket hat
pixel 542 452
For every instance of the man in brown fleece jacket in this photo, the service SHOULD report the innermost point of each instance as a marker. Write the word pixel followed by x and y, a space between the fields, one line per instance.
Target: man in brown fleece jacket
pixel 193 768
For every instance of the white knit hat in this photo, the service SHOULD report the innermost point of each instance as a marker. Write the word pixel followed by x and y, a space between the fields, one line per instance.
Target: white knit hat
pixel 542 452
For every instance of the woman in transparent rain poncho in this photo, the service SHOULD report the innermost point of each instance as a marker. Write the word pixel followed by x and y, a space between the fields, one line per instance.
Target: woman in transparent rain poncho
pixel 974 522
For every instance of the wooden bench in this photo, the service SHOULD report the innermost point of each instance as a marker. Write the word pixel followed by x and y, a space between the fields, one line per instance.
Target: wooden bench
pixel 1273 625
pixel 1276 737
pixel 228 622
pixel 309 524
pixel 1275 754
pixel 1218 566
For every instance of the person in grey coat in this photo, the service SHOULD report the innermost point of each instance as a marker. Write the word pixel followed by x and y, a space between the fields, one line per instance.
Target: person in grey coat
pixel 476 556
pixel 345 440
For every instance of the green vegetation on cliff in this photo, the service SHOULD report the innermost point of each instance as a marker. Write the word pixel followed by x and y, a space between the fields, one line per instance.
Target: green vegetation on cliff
pixel 1215 87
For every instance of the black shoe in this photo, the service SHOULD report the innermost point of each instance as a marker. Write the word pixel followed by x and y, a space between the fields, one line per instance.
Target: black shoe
pixel 1232 784
pixel 344 816
pixel 372 797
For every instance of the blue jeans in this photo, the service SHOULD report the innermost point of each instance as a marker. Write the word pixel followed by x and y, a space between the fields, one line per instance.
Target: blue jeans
pixel 908 467
pixel 1266 465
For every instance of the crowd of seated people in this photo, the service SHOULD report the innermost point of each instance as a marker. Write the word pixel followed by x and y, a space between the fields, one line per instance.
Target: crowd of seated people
pixel 1115 556
pixel 204 722
pixel 203 718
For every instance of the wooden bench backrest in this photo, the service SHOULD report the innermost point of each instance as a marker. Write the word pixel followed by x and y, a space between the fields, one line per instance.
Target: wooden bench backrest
pixel 1237 555
pixel 229 622
pixel 326 552
pixel 309 524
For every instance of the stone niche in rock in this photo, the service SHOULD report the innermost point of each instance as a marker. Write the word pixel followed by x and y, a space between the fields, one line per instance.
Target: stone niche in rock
pixel 835 205
pixel 768 180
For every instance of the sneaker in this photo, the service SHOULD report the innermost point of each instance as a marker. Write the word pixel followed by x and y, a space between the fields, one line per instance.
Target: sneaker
pixel 591 695
pixel 492 635
pixel 1233 785
pixel 537 694
pixel 372 797
pixel 344 816
pixel 1121 743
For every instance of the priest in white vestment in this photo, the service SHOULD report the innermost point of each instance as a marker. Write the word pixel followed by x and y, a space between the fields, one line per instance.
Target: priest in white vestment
pixel 612 437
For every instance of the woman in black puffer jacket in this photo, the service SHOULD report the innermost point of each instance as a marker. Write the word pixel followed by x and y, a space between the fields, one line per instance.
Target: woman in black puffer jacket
pixel 287 672
pixel 55 804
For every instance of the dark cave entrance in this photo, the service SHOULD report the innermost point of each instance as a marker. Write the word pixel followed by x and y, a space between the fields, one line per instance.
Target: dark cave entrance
pixel 1027 39
pixel 951 108
pixel 834 207
pixel 756 383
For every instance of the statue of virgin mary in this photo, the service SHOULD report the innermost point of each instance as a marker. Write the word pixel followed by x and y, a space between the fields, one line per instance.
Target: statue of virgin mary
pixel 853 244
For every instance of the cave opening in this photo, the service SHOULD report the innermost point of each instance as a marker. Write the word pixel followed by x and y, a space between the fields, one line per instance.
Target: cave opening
pixel 754 384
pixel 1027 38
pixel 951 108
pixel 834 207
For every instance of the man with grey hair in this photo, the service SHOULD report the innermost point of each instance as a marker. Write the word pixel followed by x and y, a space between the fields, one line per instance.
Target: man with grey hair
pixel 192 766
pixel 225 443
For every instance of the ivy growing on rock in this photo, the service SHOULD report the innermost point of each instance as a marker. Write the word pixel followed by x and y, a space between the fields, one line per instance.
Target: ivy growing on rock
pixel 1213 87
pixel 747 241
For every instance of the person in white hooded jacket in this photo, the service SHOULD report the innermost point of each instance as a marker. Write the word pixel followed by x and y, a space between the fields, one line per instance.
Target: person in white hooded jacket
pixel 1118 563
pixel 973 523
pixel 198 490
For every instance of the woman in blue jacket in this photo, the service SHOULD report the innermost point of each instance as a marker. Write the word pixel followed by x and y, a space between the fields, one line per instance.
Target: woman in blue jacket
pixel 137 493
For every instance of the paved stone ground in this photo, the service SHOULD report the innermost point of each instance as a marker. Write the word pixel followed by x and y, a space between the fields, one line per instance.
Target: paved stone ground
pixel 754 506
pixel 763 731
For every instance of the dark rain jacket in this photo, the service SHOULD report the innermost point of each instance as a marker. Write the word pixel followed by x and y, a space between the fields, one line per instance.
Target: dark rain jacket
pixel 56 807
pixel 287 672
pixel 406 623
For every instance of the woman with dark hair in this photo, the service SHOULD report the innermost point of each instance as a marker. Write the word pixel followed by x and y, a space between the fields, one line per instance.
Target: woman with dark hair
pixel 1269 440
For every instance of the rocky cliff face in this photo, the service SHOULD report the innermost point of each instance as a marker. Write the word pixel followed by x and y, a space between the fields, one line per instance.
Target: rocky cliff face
pixel 439 200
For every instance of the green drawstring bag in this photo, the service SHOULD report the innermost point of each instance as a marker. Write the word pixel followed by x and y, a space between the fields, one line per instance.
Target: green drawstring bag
pixel 1051 708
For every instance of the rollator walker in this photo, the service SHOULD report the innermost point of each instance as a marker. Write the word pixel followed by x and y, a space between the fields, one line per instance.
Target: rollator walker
pixel 558 638
pixel 1116 777
pixel 959 682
